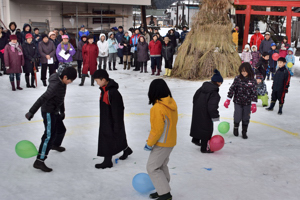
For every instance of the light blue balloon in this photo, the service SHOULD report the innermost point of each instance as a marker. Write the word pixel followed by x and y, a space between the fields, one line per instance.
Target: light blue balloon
pixel 142 183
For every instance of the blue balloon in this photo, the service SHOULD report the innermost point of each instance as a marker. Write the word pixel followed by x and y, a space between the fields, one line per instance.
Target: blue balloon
pixel 142 183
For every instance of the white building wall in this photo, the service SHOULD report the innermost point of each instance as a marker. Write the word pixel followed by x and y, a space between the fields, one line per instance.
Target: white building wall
pixel 193 11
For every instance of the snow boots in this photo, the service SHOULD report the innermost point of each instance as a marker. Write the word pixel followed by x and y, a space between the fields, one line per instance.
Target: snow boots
pixel 107 163
pixel 92 81
pixel 121 61
pixel 169 72
pixel 114 66
pixel 153 71
pixel 196 142
pixel 13 87
pixel 125 65
pixel 18 86
pixel 167 196
pixel 236 129
pixel 59 149
pixel 40 164
pixel 271 106
pixel 128 151
pixel 280 109
pixel 244 131
pixel 32 82
pixel 129 65
pixel 27 81
pixel 158 72
pixel 44 83
pixel 82 80
pixel 154 195
pixel 166 73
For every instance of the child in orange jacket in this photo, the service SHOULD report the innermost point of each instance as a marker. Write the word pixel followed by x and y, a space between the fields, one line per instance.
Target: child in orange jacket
pixel 162 137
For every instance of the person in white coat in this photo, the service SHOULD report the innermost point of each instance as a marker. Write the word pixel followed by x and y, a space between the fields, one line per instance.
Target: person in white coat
pixel 103 51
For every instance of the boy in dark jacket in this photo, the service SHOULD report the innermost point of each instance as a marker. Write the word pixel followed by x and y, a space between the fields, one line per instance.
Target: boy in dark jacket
pixel 272 63
pixel 281 83
pixel 112 135
pixel 262 67
pixel 52 103
pixel 205 111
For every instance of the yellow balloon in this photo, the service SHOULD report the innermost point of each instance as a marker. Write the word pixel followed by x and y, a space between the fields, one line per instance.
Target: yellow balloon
pixel 290 65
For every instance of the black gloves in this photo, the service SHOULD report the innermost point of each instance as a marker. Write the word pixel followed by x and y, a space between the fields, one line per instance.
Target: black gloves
pixel 29 116
pixel 67 52
pixel 62 115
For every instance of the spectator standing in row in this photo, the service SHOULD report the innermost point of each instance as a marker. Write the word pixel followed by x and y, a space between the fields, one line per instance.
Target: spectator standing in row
pixel 167 53
pixel 3 42
pixel 82 32
pixel 126 50
pixel 119 38
pixel 13 31
pixel 256 39
pixel 52 37
pixel 133 42
pixel 265 45
pixel 155 48
pixel 103 51
pixel 142 53
pixel 183 33
pixel 78 56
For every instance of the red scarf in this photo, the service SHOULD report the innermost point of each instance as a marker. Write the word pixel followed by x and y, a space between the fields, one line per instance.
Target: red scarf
pixel 105 96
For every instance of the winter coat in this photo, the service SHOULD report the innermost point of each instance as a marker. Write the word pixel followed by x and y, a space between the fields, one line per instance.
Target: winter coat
pixel 47 49
pixel 235 36
pixel 255 58
pixel 25 32
pixel 30 55
pixel 272 63
pixel 56 42
pixel 205 110
pixel 283 51
pixel 71 52
pixel 52 101
pixel 147 37
pixel 89 54
pixel 281 80
pixel 183 35
pixel 3 41
pixel 155 48
pixel 119 36
pixel 262 67
pixel 167 51
pixel 14 32
pixel 78 55
pixel 126 49
pixel 142 51
pixel 163 118
pixel 111 46
pixel 112 135
pixel 81 33
pixel 246 56
pixel 256 40
pixel 15 60
pixel 265 45
pixel 173 39
pixel 261 88
pixel 134 41
pixel 36 40
pixel 290 58
pixel 102 46
pixel 243 90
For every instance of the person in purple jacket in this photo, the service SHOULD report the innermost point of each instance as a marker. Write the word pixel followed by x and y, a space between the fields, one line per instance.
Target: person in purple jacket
pixel 65 48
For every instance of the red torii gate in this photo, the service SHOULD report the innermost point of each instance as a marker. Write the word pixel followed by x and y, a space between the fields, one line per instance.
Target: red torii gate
pixel 268 3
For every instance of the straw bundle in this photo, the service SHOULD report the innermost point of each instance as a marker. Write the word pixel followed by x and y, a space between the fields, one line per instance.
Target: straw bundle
pixel 208 45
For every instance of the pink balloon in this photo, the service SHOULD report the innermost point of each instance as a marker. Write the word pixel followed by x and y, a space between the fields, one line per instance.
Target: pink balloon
pixel 216 143
pixel 275 56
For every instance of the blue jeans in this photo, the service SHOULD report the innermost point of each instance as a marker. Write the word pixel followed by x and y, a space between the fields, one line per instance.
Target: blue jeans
pixel 156 61
pixel 12 76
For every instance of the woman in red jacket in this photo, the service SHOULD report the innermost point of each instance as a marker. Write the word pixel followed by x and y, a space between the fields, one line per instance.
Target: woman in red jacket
pixel 90 53
pixel 14 60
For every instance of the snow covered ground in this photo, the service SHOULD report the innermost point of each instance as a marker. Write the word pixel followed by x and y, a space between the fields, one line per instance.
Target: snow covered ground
pixel 266 166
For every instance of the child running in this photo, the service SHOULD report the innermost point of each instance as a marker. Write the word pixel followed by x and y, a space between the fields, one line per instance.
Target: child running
pixel 245 98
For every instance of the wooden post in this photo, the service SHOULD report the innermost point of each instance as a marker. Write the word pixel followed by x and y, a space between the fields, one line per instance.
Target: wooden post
pixel 289 23
pixel 143 15
pixel 177 15
pixel 247 24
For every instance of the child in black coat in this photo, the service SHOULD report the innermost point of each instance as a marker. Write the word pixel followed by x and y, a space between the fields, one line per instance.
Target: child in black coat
pixel 262 67
pixel 205 111
pixel 244 91
pixel 281 83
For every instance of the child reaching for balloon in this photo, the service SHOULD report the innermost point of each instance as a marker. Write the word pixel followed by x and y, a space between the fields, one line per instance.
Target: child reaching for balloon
pixel 162 137
pixel 245 98
pixel 205 111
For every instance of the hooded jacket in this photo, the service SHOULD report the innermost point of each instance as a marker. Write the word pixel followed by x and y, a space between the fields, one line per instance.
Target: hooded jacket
pixel 78 54
pixel 14 59
pixel 14 32
pixel 112 135
pixel 205 110
pixel 111 46
pixel 290 58
pixel 246 55
pixel 256 40
pixel 163 118
pixel 255 56
pixel 142 50
pixel 102 46
pixel 90 53
pixel 25 32
pixel 52 101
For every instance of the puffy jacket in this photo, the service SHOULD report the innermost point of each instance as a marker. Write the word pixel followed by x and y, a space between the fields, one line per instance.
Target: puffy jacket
pixel 272 63
pixel 290 58
pixel 255 56
pixel 52 101
pixel 256 40
pixel 25 32
pixel 283 51
pixel 47 49
pixel 119 36
pixel 71 52
pixel 142 51
pixel 168 51
pixel 90 53
pixel 163 118
pixel 235 36
pixel 173 39
pixel 261 89
pixel 30 52
pixel 281 80
pixel 155 48
pixel 111 46
pixel 183 35
pixel 262 67
pixel 102 46
pixel 246 55
pixel 15 60
pixel 81 33
pixel 126 49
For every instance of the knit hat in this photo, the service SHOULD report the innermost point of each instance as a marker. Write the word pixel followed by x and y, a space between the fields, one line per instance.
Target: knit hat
pixel 259 76
pixel 44 35
pixel 51 33
pixel 28 35
pixel 82 26
pixel 13 37
pixel 217 77
pixel 65 37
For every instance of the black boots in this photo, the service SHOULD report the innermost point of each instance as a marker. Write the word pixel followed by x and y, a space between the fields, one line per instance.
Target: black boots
pixel 129 65
pixel 244 131
pixel 271 106
pixel 32 82
pixel 109 66
pixel 236 129
pixel 128 151
pixel 196 142
pixel 280 109
pixel 125 65
pixel 59 149
pixel 44 83
pixel 92 81
pixel 121 61
pixel 107 163
pixel 114 66
pixel 167 196
pixel 27 81
pixel 154 195
pixel 40 164
pixel 82 80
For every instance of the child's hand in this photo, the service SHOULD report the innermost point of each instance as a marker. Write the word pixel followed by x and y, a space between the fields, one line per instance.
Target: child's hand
pixel 226 104
pixel 253 108
pixel 147 148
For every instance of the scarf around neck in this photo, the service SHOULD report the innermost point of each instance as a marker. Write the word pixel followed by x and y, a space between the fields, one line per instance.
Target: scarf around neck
pixel 14 46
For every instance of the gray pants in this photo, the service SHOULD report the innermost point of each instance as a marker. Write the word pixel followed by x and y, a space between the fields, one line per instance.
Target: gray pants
pixel 242 113
pixel 104 59
pixel 112 57
pixel 157 168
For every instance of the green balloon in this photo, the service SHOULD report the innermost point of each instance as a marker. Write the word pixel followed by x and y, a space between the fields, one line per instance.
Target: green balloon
pixel 224 127
pixel 25 149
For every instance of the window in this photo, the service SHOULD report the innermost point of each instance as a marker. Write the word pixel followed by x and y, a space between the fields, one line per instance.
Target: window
pixel 105 20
